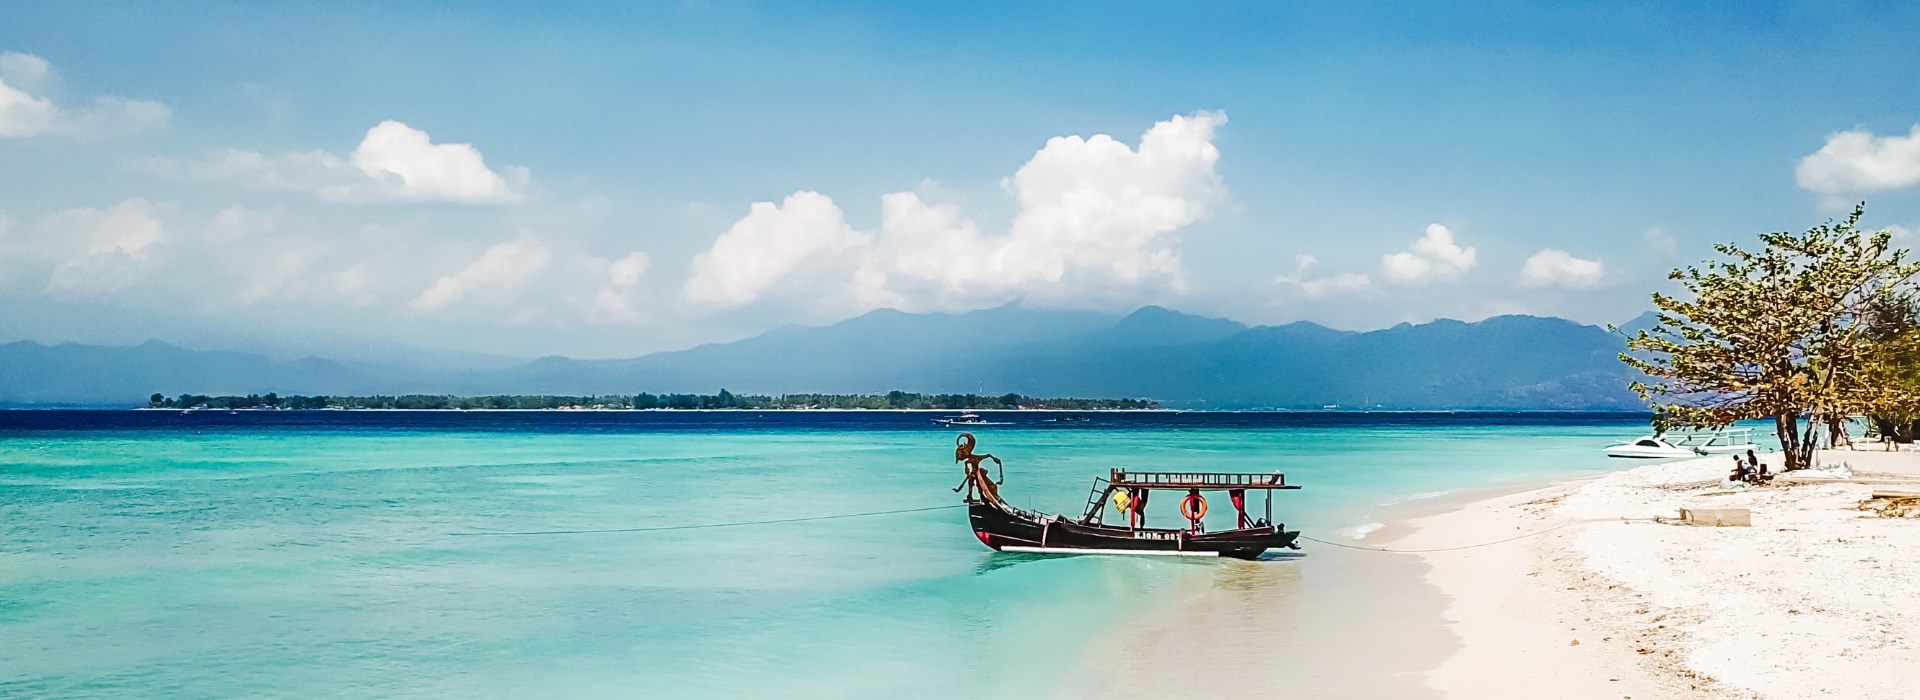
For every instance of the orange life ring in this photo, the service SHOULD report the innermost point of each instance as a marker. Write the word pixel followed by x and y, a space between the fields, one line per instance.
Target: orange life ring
pixel 1194 506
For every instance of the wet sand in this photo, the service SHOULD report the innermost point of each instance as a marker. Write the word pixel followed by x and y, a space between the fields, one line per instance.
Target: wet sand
pixel 1328 623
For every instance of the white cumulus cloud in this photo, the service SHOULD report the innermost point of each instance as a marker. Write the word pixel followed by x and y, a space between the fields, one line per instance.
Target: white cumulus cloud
pixel 1434 257
pixel 24 69
pixel 498 275
pixel 394 162
pixel 1662 242
pixel 24 113
pixel 1095 221
pixel 1553 267
pixel 296 261
pixel 1858 161
pixel 767 245
pixel 1315 287
pixel 616 301
pixel 535 279
pixel 414 167
pixel 98 251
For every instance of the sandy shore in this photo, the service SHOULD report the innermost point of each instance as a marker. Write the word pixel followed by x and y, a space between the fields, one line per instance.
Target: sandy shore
pixel 1816 599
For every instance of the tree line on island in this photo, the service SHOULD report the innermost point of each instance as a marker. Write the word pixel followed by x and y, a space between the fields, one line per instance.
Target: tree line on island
pixel 893 400
pixel 1823 326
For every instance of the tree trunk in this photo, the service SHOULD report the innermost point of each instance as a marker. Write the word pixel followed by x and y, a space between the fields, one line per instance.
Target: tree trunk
pixel 1809 442
pixel 1787 428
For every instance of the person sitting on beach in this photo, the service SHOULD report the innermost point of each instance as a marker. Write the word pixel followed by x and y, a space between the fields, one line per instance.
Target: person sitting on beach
pixel 1756 470
pixel 1739 470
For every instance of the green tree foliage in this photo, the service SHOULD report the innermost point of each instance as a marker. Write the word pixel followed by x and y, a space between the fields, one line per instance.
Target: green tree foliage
pixel 1779 333
pixel 1893 375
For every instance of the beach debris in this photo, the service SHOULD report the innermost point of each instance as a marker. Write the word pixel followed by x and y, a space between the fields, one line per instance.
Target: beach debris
pixel 1711 517
pixel 1893 504
pixel 1842 470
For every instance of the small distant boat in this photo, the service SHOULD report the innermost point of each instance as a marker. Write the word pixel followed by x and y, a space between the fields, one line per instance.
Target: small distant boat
pixel 967 419
pixel 1648 447
pixel 1005 528
pixel 1074 418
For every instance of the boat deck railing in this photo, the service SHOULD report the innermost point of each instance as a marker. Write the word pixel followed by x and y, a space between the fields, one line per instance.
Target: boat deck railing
pixel 1199 480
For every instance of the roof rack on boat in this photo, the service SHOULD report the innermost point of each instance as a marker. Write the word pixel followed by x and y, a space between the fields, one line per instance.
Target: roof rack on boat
pixel 1122 478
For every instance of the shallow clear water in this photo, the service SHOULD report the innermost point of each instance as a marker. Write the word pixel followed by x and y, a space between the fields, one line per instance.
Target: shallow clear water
pixel 319 554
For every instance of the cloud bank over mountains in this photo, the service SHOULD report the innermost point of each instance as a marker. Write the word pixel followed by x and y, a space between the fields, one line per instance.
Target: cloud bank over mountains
pixel 1096 222
pixel 428 225
pixel 1434 257
pixel 1557 268
pixel 393 163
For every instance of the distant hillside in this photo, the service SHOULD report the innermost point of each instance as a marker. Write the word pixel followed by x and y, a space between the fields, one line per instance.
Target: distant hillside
pixel 1507 362
pixel 1517 362
pixel 94 374
pixel 874 353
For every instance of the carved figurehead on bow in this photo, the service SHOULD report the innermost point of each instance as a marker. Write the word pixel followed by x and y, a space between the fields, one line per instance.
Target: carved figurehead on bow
pixel 976 477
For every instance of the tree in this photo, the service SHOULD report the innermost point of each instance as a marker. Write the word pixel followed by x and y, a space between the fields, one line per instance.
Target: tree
pixel 157 400
pixel 1893 373
pixel 1778 333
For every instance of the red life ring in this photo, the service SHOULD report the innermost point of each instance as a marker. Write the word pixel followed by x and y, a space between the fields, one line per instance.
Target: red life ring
pixel 1194 506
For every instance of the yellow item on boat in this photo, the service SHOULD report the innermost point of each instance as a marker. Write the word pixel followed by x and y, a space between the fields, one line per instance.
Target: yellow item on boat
pixel 1122 500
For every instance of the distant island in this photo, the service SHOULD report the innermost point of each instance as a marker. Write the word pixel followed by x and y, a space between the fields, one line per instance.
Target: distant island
pixel 725 400
pixel 1180 360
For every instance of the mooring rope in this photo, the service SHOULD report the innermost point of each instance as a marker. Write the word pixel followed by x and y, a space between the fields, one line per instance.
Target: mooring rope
pixel 1442 549
pixel 704 526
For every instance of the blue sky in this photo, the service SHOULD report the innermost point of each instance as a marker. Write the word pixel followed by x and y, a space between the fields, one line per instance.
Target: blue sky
pixel 582 179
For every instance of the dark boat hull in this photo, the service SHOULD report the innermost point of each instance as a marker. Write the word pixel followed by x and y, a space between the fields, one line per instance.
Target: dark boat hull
pixel 1011 530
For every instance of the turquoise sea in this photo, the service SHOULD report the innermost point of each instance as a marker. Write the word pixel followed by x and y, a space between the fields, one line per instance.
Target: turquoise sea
pixel 310 554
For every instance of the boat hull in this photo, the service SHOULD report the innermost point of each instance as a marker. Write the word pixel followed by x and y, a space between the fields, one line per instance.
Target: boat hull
pixel 1649 453
pixel 1018 531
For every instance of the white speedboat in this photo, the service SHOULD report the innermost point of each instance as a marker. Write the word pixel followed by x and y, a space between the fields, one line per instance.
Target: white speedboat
pixel 1648 447
pixel 966 419
pixel 1720 442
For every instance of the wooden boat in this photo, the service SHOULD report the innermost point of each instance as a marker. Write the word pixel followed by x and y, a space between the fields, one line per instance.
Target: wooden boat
pixel 1008 529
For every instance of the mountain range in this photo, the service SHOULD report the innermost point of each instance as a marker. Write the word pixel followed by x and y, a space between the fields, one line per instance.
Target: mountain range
pixel 1182 360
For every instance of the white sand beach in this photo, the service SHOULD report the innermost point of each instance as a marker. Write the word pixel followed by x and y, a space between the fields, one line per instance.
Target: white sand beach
pixel 1816 599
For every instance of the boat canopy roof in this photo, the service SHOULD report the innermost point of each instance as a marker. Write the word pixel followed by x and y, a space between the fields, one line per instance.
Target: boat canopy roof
pixel 1185 481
